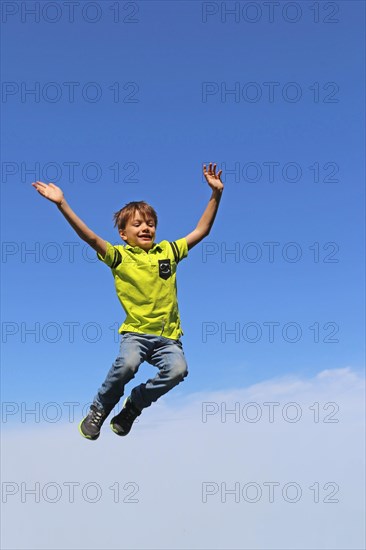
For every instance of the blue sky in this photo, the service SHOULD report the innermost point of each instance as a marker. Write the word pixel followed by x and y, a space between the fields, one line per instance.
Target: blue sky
pixel 279 101
pixel 314 199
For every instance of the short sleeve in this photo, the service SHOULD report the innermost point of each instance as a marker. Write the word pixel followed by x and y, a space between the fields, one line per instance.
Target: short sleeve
pixel 113 256
pixel 180 249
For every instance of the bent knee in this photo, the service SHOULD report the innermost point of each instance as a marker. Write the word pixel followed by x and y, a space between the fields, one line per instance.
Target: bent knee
pixel 128 364
pixel 179 370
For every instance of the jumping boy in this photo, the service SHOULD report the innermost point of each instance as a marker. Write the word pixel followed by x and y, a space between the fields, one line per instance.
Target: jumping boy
pixel 145 280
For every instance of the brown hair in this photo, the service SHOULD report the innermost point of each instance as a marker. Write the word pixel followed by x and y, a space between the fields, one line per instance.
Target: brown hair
pixel 122 216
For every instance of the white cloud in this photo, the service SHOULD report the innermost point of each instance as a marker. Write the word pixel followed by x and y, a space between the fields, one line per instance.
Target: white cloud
pixel 172 461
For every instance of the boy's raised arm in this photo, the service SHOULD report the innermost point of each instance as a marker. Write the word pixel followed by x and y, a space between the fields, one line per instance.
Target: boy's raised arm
pixel 208 217
pixel 55 194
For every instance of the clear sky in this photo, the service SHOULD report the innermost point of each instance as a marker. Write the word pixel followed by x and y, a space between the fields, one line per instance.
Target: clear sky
pixel 122 101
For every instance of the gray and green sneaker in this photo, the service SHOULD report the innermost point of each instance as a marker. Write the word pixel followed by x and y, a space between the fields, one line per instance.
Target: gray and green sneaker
pixel 92 423
pixel 122 423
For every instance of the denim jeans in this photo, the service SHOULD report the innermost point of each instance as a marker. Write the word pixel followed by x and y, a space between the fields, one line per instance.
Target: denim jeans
pixel 164 353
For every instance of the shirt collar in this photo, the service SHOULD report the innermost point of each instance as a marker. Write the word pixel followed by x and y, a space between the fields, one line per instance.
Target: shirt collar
pixel 155 248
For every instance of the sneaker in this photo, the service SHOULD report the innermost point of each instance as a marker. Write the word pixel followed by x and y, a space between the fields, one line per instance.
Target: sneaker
pixel 122 423
pixel 90 426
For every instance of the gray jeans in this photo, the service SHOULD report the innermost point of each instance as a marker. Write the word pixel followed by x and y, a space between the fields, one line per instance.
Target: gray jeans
pixel 135 348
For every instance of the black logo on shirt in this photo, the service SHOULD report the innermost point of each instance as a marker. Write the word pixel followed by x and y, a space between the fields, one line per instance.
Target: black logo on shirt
pixel 165 269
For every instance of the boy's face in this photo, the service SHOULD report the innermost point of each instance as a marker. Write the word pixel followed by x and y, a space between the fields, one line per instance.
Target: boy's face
pixel 139 232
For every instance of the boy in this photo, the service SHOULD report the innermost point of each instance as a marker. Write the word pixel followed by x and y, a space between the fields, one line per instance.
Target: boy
pixel 145 279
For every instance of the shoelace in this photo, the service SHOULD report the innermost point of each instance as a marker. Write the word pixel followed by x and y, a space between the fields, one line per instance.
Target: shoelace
pixel 96 417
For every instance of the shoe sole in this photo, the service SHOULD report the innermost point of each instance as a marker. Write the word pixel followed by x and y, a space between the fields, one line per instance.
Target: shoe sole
pixel 115 431
pixel 87 436
pixel 111 422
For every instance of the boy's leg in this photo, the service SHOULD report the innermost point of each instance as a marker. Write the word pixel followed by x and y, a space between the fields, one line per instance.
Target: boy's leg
pixel 133 351
pixel 168 356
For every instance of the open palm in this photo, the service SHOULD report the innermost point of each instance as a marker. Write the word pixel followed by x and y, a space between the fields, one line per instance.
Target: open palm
pixel 49 191
pixel 212 178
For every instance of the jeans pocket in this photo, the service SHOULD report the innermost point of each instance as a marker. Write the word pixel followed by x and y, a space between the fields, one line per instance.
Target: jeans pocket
pixel 125 336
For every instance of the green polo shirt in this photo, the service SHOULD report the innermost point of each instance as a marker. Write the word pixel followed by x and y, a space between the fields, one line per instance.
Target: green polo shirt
pixel 146 286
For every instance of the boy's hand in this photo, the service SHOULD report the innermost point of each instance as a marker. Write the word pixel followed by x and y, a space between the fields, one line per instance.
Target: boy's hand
pixel 212 179
pixel 50 192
